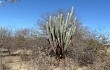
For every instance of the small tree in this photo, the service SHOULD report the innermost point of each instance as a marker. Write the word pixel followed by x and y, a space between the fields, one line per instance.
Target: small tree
pixel 60 31
pixel 21 37
pixel 5 38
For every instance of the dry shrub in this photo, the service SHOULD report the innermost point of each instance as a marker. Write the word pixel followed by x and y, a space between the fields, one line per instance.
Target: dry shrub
pixel 86 48
pixel 25 57
pixel 102 62
pixel 5 67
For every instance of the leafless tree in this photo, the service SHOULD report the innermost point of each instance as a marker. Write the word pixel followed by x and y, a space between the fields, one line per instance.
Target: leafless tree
pixel 4 2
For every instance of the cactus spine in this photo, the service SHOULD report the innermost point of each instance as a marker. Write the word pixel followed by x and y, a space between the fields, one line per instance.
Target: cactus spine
pixel 60 30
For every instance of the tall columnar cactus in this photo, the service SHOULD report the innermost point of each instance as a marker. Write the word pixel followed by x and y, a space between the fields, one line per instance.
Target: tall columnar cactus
pixel 59 31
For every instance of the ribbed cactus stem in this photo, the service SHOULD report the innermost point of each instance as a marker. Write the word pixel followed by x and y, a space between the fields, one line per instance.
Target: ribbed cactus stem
pixel 60 29
pixel 49 36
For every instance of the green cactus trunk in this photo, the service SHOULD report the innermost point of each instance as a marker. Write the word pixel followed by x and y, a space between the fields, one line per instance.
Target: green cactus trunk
pixel 59 31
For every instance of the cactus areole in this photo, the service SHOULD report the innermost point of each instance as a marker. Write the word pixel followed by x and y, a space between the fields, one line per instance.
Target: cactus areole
pixel 59 32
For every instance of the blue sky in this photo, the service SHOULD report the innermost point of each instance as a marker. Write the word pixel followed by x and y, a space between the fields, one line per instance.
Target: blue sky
pixel 24 14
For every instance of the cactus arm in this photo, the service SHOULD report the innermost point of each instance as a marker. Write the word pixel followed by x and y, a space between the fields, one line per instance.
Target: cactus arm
pixel 49 36
pixel 59 30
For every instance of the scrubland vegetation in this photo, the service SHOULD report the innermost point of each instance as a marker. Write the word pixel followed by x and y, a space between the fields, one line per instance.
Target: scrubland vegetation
pixel 80 48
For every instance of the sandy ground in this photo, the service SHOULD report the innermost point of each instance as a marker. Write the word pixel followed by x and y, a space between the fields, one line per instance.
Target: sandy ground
pixel 15 63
